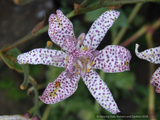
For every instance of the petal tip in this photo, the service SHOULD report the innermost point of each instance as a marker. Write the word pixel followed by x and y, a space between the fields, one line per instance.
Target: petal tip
pixel 136 49
pixel 43 99
pixel 117 13
pixel 137 45
pixel 117 111
pixel 58 11
pixel 19 59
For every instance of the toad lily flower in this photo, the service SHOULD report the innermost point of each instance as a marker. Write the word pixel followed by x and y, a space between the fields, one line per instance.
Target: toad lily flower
pixel 79 59
pixel 152 55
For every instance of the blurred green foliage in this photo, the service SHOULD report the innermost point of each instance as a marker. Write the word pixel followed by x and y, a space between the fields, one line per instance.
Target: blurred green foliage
pixel 12 91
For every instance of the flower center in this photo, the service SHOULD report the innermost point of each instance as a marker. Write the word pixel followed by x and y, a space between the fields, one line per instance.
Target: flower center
pixel 78 61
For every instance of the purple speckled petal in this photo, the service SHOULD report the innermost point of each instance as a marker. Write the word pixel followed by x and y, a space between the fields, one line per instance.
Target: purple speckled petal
pixel 152 55
pixel 100 91
pixel 42 56
pixel 99 28
pixel 59 27
pixel 83 70
pixel 70 64
pixel 113 59
pixel 69 44
pixel 60 89
pixel 155 80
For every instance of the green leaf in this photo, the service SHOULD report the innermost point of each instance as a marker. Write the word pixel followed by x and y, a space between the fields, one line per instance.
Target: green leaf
pixel 123 80
pixel 10 58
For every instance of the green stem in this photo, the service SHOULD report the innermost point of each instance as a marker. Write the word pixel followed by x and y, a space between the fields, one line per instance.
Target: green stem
pixel 26 38
pixel 40 86
pixel 85 2
pixel 26 77
pixel 33 82
pixel 91 8
pixel 124 29
pixel 122 2
pixel 46 112
pixel 70 15
pixel 151 89
pixel 31 110
pixel 112 3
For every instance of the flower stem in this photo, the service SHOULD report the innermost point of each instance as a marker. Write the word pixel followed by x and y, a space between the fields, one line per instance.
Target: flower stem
pixel 71 14
pixel 111 3
pixel 31 110
pixel 85 2
pixel 33 82
pixel 40 86
pixel 26 77
pixel 26 38
pixel 46 112
pixel 121 2
pixel 124 29
pixel 151 89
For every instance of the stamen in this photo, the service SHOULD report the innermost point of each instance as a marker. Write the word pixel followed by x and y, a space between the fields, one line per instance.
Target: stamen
pixel 80 40
pixel 84 70
pixel 80 64
pixel 84 49
pixel 88 70
pixel 92 63
pixel 49 44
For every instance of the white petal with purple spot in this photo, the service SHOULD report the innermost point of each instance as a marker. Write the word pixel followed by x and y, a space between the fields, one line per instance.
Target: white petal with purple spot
pixel 59 27
pixel 155 80
pixel 99 28
pixel 152 55
pixel 112 59
pixel 62 88
pixel 43 56
pixel 100 91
